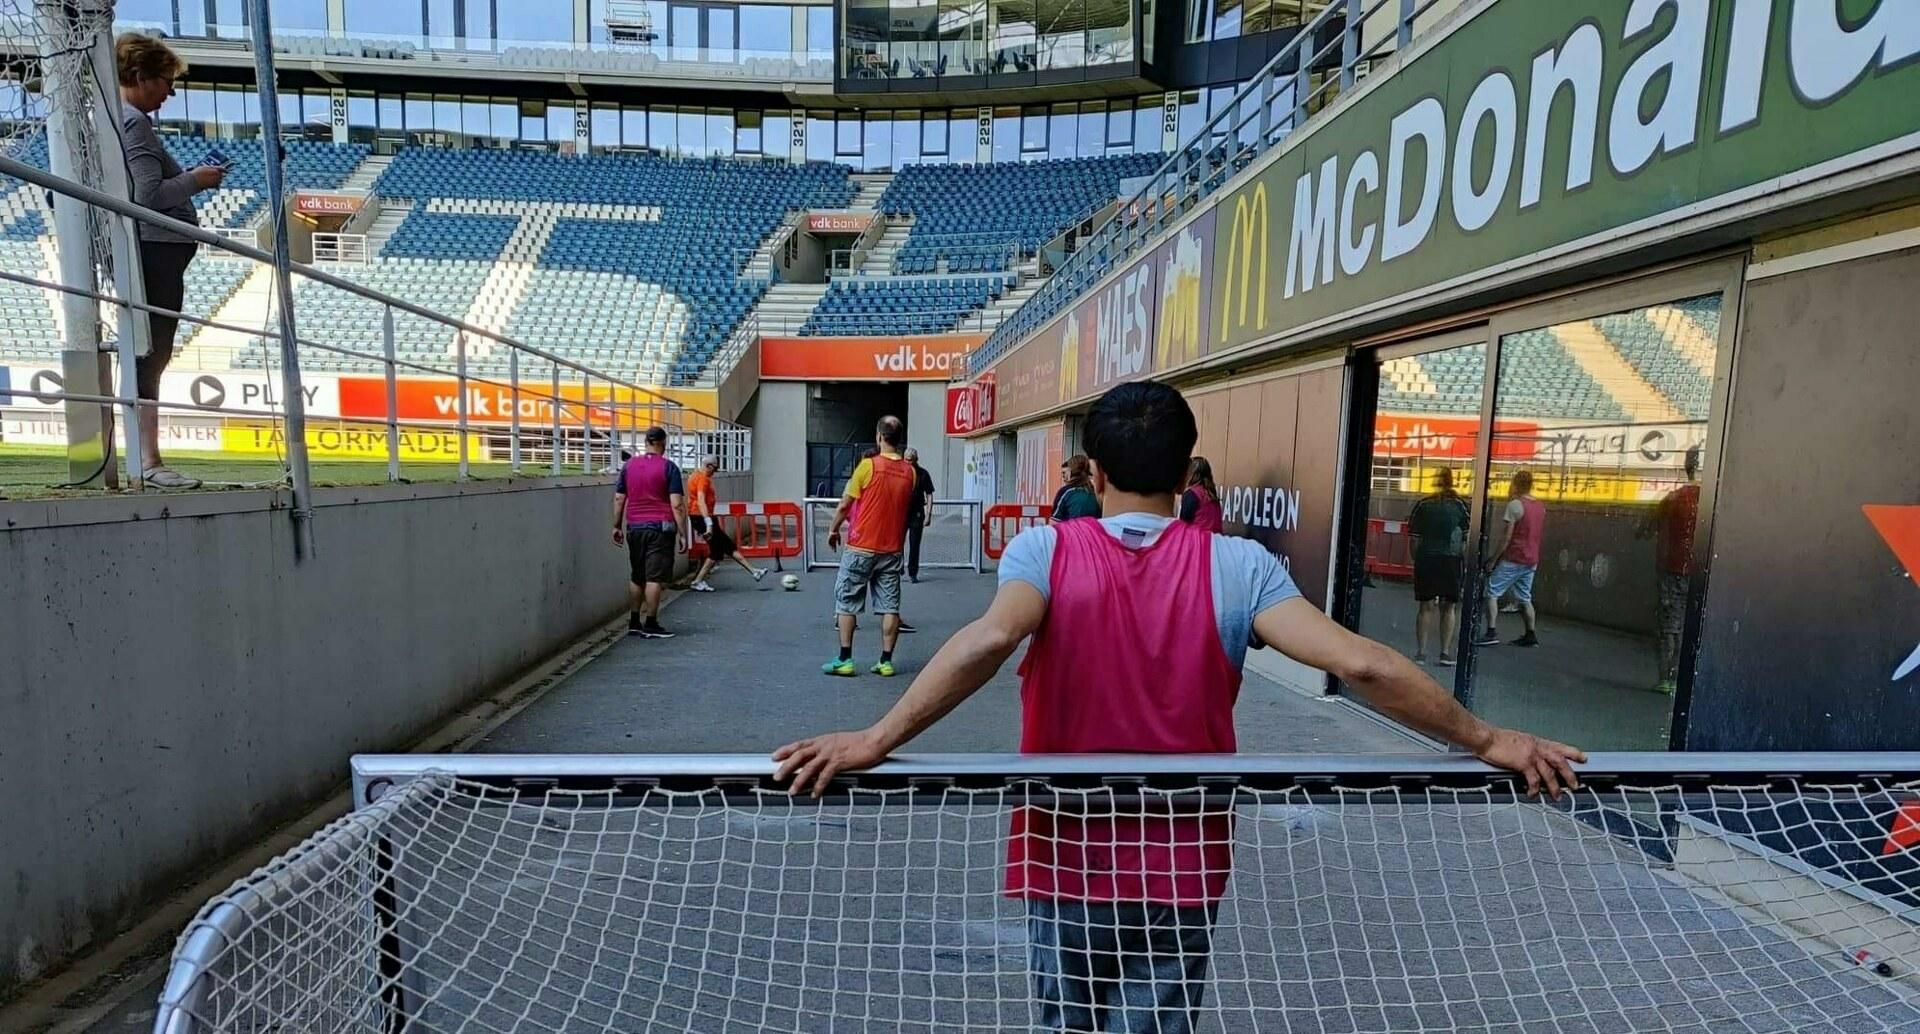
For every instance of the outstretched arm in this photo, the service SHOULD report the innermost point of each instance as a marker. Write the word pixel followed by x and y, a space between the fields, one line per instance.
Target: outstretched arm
pixel 955 673
pixel 1396 686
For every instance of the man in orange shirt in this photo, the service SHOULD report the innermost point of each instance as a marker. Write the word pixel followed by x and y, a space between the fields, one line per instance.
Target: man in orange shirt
pixel 883 485
pixel 720 546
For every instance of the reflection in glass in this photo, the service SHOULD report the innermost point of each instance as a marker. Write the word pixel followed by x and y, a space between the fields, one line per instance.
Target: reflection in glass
pixel 1599 426
pixel 1063 33
pixel 1013 36
pixel 963 37
pixel 1426 433
pixel 866 54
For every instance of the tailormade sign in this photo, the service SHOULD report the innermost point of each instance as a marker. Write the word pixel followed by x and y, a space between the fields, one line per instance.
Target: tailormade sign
pixel 927 357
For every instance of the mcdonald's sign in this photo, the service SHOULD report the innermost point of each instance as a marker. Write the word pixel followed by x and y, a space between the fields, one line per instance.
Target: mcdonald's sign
pixel 1245 246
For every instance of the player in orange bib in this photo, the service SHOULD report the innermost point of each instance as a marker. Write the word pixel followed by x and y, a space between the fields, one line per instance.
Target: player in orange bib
pixel 883 486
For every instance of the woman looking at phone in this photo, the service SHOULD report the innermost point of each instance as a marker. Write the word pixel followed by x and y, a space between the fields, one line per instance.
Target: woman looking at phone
pixel 147 69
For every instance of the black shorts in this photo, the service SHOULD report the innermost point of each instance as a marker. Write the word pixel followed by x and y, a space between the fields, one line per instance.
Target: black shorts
pixel 720 545
pixel 650 552
pixel 1436 577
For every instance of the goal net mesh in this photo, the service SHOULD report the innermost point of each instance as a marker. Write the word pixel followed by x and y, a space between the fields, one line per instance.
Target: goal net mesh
pixel 47 80
pixel 457 906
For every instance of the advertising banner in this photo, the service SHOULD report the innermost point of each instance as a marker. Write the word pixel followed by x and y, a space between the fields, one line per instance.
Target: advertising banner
pixel 982 482
pixel 1038 453
pixel 927 357
pixel 1275 445
pixel 258 391
pixel 1466 158
pixel 350 442
pixel 315 202
pixel 839 222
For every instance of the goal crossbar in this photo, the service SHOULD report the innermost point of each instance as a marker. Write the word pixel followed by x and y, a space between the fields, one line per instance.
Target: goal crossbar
pixel 559 893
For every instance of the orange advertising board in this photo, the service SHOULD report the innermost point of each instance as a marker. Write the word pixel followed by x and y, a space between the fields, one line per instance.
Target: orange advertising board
pixel 437 400
pixel 924 357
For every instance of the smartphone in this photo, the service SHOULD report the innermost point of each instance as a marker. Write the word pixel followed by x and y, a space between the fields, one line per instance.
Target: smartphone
pixel 217 159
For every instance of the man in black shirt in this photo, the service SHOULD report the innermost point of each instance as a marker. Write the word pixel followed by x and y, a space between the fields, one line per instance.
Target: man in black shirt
pixel 919 512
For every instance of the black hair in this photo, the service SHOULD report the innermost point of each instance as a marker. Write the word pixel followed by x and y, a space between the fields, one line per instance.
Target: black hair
pixel 656 434
pixel 1141 434
pixel 1693 461
pixel 889 430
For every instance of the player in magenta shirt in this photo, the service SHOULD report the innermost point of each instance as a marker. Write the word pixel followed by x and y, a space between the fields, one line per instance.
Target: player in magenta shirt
pixel 1121 909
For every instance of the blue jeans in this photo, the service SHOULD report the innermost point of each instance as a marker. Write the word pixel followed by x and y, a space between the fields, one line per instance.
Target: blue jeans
pixel 1123 967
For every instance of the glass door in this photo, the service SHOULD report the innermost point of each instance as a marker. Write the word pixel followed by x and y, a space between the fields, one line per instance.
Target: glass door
pixel 1590 525
pixel 1414 594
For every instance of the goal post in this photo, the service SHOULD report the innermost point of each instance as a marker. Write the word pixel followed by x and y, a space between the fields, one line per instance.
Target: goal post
pixel 1762 892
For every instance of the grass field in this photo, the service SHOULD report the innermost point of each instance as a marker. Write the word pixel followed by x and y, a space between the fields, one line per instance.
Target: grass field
pixel 36 471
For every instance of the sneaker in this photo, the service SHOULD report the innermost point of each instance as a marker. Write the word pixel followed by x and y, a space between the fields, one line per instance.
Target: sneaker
pixel 167 477
pixel 701 586
pixel 1492 638
pixel 651 630
pixel 883 669
pixel 1527 640
pixel 633 625
pixel 914 578
pixel 1510 608
pixel 759 573
pixel 844 669
pixel 904 627
pixel 1446 661
pixel 1419 658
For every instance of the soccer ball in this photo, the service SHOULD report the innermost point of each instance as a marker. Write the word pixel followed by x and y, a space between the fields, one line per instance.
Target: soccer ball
pixel 791 583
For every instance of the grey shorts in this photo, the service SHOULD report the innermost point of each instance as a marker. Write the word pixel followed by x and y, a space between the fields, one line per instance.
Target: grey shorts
pixel 858 571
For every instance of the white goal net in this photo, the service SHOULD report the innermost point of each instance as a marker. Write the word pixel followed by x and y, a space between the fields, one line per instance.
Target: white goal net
pixel 1355 902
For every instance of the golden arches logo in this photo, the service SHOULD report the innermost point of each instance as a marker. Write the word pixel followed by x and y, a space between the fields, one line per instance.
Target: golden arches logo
pixel 1070 359
pixel 1246 246
pixel 1181 279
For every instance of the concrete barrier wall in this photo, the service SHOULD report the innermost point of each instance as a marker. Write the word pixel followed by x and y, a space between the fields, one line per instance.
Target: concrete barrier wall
pixel 172 682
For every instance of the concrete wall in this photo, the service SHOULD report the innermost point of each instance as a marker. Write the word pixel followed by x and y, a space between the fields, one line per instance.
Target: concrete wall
pixel 778 416
pixel 945 458
pixel 172 682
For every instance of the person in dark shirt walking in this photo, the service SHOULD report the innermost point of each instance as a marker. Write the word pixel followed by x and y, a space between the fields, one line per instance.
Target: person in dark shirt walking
pixel 1438 524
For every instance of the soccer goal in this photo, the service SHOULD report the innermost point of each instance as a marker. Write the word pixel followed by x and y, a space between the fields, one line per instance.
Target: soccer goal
pixel 474 893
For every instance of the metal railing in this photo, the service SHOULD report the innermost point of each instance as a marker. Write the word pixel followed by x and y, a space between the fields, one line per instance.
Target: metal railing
pixel 951 540
pixel 347 248
pixel 1322 62
pixel 717 63
pixel 541 408
pixel 246 235
pixel 977 320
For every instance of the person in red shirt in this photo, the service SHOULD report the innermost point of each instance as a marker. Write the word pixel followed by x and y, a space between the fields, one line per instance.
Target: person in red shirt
pixel 1671 524
pixel 1522 527
pixel 1121 911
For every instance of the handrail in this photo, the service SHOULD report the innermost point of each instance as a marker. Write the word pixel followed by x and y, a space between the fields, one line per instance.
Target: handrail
pixel 21 170
pixel 1198 168
pixel 371 771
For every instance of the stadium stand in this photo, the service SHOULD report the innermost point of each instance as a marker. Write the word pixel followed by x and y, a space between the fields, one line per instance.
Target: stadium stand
pixel 656 245
pixel 212 280
pixel 1539 379
pixel 901 305
pixel 970 217
pixel 1650 349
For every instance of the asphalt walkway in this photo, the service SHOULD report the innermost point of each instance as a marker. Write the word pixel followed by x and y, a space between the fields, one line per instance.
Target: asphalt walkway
pixel 742 675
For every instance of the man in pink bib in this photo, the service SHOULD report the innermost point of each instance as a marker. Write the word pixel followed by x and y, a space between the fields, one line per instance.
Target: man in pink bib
pixel 1121 907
